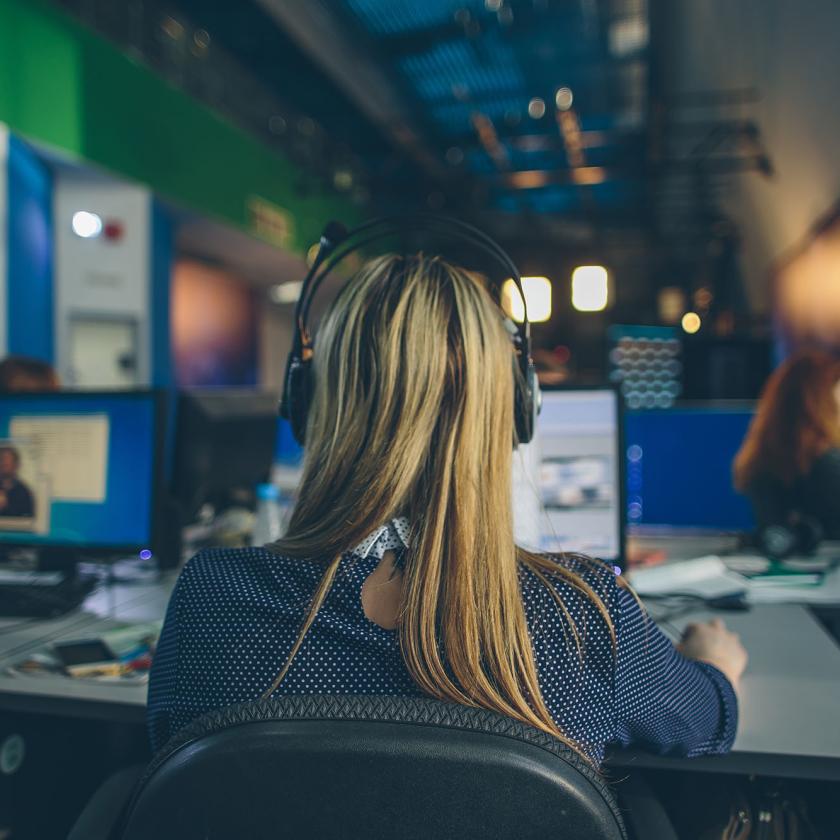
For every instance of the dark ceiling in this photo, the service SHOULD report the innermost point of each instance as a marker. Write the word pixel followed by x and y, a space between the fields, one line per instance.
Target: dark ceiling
pixel 547 122
pixel 473 120
pixel 482 80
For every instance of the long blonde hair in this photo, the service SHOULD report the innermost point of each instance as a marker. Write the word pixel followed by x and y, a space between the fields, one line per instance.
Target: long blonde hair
pixel 412 415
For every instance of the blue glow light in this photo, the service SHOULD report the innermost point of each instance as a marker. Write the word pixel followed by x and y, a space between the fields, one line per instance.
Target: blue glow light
pixel 145 554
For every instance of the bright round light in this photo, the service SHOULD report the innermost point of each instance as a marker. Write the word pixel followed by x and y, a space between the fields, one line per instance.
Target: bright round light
pixel 537 296
pixel 536 108
pixel 284 293
pixel 87 225
pixel 590 288
pixel 564 98
pixel 691 322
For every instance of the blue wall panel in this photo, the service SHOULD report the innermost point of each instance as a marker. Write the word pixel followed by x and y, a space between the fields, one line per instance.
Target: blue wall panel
pixel 30 254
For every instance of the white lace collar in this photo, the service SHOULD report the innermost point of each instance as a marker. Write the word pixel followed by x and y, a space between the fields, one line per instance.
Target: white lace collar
pixel 391 535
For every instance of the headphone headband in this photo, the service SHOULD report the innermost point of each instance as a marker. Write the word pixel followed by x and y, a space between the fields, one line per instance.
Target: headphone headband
pixel 337 243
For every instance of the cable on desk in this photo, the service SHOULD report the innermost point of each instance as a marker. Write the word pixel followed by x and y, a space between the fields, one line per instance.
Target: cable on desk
pixel 18 624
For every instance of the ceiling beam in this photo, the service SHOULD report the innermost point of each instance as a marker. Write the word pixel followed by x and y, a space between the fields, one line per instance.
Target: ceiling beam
pixel 317 32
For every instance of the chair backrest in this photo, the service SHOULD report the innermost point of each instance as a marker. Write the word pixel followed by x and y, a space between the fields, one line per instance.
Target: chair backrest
pixel 367 767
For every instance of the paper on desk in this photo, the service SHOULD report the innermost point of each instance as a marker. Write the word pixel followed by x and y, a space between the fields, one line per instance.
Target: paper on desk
pixel 704 577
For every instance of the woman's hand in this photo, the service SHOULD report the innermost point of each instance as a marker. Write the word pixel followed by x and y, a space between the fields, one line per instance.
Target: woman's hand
pixel 711 642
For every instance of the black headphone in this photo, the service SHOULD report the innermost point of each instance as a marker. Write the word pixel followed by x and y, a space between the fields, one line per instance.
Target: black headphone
pixel 336 243
pixel 780 541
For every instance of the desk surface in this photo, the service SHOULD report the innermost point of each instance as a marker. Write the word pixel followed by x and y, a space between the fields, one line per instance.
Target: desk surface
pixel 789 699
pixel 106 608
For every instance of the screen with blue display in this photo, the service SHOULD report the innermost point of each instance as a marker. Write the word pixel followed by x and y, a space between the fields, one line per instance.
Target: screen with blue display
pixel 77 469
pixel 679 468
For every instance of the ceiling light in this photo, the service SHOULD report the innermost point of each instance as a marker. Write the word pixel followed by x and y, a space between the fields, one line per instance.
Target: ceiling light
pixel 628 36
pixel 529 179
pixel 590 288
pixel 342 179
pixel 536 108
pixel 691 322
pixel 286 292
pixel 671 304
pixel 86 224
pixel 588 175
pixel 537 296
pixel 564 98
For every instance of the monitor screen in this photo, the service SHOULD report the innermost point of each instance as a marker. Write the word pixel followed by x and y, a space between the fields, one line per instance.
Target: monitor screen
pixel 226 442
pixel 78 469
pixel 679 468
pixel 578 470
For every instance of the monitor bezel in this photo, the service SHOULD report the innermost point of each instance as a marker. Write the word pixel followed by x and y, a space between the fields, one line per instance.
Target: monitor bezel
pixel 621 559
pixel 158 399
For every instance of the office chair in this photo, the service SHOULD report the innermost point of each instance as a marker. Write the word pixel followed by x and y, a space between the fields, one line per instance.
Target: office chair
pixel 355 767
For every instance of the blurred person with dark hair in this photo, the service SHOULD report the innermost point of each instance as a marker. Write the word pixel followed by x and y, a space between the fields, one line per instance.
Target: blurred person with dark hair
pixel 20 374
pixel 789 463
pixel 16 498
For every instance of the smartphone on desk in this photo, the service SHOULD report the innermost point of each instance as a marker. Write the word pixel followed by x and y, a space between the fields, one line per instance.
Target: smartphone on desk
pixel 87 658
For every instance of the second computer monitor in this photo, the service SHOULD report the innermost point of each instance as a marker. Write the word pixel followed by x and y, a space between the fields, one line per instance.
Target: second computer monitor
pixel 679 468
pixel 80 470
pixel 580 473
pixel 225 446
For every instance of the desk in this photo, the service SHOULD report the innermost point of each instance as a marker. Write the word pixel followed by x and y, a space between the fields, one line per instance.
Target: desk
pixel 789 700
pixel 106 608
pixel 790 696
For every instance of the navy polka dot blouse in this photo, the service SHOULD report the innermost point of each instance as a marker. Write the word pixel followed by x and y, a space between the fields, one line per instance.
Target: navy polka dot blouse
pixel 235 614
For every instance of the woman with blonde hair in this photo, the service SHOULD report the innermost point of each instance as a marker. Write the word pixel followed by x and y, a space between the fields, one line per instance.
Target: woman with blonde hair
pixel 399 573
pixel 789 463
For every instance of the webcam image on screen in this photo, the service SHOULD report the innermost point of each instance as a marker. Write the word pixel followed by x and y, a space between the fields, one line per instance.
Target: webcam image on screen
pixel 577 483
pixel 47 460
pixel 24 487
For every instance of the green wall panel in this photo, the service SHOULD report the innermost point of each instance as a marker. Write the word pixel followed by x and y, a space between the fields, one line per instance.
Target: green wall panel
pixel 67 86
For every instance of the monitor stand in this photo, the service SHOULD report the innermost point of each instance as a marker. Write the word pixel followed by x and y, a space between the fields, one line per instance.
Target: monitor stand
pixel 58 559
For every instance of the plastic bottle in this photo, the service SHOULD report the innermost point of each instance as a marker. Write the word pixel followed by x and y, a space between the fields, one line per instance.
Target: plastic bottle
pixel 268 525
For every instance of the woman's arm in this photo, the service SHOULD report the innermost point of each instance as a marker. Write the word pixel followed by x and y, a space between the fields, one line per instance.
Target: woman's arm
pixel 665 702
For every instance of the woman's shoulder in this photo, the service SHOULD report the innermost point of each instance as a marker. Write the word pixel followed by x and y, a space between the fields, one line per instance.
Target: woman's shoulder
pixel 238 570
pixel 586 588
pixel 570 569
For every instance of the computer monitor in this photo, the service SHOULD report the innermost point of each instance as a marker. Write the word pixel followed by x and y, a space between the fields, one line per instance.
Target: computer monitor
pixel 578 473
pixel 81 471
pixel 679 468
pixel 225 446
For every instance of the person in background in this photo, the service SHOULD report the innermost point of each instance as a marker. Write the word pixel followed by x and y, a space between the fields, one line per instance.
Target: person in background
pixel 20 374
pixel 789 463
pixel 399 574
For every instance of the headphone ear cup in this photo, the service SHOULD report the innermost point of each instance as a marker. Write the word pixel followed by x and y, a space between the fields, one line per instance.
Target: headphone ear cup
pixel 777 541
pixel 526 405
pixel 297 394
